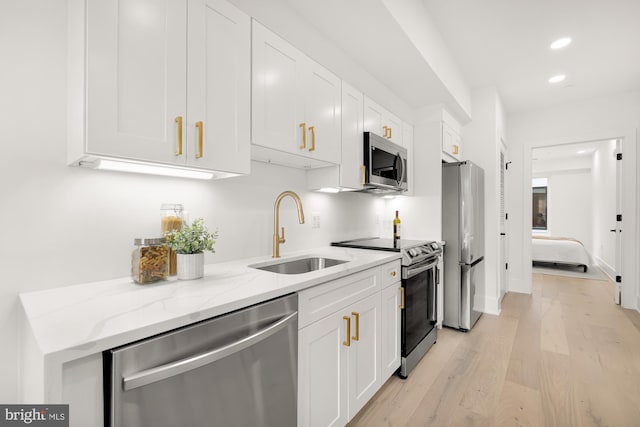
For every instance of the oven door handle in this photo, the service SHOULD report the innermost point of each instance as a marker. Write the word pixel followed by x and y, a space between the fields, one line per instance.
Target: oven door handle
pixel 412 271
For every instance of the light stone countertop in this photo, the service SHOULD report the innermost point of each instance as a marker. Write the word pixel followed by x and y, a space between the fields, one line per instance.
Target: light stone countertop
pixel 71 322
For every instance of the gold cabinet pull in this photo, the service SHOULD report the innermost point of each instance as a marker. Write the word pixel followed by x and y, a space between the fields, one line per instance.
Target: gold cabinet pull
pixel 401 298
pixel 393 273
pixel 312 129
pixel 347 343
pixel 356 337
pixel 455 149
pixel 179 122
pixel 304 135
pixel 390 132
pixel 363 168
pixel 199 125
pixel 386 131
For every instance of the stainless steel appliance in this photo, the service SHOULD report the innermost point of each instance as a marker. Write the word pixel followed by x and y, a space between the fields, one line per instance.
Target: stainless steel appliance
pixel 463 233
pixel 239 369
pixel 385 165
pixel 419 294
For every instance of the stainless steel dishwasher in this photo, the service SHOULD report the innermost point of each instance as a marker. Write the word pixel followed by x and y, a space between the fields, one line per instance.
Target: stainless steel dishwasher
pixel 239 369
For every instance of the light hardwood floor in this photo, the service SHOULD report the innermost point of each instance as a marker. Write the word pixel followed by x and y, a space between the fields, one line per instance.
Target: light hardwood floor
pixel 565 355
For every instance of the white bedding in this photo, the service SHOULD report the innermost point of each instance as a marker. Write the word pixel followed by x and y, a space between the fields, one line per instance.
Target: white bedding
pixel 560 251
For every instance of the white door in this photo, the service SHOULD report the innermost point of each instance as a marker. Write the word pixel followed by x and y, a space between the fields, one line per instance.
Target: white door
pixel 364 353
pixel 219 92
pixel 322 99
pixel 390 331
pixel 322 372
pixel 277 107
pixel 504 258
pixel 136 78
pixel 618 228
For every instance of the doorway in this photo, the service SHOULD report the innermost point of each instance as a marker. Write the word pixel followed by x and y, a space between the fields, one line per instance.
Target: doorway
pixel 622 262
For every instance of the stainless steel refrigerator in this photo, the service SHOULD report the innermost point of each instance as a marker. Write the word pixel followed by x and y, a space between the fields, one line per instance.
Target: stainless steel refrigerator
pixel 463 233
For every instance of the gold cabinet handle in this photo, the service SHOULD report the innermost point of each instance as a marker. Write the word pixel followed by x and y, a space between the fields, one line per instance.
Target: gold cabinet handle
pixel 390 133
pixel 393 273
pixel 356 337
pixel 304 135
pixel 401 298
pixel 386 131
pixel 312 129
pixel 347 343
pixel 179 122
pixel 363 168
pixel 455 149
pixel 199 125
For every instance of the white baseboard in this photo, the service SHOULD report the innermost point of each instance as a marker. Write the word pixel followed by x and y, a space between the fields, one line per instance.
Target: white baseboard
pixel 608 270
pixel 492 305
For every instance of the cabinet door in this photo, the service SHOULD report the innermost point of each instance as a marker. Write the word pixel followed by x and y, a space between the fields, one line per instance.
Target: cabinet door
pixel 390 331
pixel 277 107
pixel 219 87
pixel 322 372
pixel 450 141
pixel 394 128
pixel 322 98
pixel 374 116
pixel 136 78
pixel 364 352
pixel 351 172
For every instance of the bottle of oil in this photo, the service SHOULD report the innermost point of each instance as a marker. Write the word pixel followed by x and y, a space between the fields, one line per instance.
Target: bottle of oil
pixel 396 230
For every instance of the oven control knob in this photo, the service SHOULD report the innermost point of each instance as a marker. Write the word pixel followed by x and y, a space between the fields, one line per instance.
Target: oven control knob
pixel 414 252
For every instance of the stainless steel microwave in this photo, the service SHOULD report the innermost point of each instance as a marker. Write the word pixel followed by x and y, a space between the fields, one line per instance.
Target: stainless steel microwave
pixel 385 165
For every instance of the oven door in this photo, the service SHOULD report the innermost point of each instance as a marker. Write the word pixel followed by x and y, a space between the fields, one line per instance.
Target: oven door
pixel 419 313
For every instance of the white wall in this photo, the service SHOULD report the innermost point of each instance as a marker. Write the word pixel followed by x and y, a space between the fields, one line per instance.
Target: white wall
pixel 64 225
pixel 591 120
pixel 482 139
pixel 604 206
pixel 569 206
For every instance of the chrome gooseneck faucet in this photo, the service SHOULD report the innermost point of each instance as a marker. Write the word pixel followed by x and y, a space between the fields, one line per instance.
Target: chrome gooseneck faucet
pixel 277 239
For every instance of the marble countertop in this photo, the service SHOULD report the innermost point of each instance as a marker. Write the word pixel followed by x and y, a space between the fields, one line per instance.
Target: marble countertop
pixel 71 322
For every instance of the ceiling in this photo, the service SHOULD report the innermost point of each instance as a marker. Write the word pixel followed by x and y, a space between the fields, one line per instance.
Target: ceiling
pixel 505 43
pixel 566 151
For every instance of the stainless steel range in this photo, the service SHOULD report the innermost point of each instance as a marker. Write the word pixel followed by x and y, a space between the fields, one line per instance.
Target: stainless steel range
pixel 419 280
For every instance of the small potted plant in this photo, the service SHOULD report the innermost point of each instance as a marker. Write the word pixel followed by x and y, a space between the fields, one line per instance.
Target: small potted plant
pixel 189 243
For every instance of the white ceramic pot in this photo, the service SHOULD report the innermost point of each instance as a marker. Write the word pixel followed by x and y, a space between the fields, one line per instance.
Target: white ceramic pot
pixel 190 266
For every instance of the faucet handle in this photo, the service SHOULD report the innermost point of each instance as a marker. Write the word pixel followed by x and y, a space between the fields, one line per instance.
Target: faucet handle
pixel 281 239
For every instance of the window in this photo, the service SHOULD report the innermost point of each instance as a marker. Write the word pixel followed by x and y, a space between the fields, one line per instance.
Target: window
pixel 539 214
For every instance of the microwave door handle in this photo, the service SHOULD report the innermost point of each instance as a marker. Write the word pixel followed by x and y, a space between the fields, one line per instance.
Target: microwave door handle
pixel 402 165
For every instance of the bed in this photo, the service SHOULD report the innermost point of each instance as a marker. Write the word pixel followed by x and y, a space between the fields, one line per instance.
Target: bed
pixel 559 251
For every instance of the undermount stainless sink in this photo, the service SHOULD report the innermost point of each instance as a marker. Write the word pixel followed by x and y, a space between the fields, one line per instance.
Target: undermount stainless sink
pixel 299 266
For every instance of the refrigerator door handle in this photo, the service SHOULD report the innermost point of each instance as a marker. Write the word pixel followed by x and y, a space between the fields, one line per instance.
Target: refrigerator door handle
pixel 462 264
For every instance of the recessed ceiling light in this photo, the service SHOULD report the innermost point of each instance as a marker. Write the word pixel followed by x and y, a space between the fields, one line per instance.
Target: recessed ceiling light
pixel 560 43
pixel 582 151
pixel 557 79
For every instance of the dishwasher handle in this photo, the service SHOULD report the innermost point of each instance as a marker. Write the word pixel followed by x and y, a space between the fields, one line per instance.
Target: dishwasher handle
pixel 162 372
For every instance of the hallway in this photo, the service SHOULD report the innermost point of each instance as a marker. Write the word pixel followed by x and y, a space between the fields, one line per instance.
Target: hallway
pixel 564 356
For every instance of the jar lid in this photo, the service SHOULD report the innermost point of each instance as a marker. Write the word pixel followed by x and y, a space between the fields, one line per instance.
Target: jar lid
pixel 149 241
pixel 172 207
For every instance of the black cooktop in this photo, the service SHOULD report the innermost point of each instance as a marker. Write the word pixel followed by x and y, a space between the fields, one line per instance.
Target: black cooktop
pixel 381 244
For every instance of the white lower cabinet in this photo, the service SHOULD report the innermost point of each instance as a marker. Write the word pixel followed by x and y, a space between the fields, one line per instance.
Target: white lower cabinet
pixel 344 353
pixel 390 329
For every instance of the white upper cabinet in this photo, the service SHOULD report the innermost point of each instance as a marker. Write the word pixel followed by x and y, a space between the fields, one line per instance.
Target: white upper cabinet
pixel 451 143
pixel 295 102
pixel 154 84
pixel 219 91
pixel 380 121
pixel 351 170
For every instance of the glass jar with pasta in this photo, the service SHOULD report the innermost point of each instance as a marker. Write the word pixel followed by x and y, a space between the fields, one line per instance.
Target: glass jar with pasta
pixel 149 260
pixel 172 218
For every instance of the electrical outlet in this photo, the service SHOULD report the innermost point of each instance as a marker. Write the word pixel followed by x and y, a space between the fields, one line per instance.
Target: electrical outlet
pixel 315 220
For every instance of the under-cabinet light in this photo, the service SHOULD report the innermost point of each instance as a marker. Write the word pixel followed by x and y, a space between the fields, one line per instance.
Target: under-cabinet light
pixel 124 166
pixel 329 190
